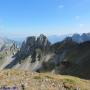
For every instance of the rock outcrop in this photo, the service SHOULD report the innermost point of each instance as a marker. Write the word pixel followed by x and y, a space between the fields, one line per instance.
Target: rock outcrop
pixel 32 45
pixel 34 50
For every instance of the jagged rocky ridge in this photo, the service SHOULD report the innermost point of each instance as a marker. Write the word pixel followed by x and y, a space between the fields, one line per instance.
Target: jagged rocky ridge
pixel 66 57
pixel 34 50
pixel 81 38
pixel 8 48
pixel 6 44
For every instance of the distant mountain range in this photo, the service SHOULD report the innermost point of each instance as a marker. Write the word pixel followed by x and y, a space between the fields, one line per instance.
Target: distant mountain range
pixel 79 38
pixel 57 38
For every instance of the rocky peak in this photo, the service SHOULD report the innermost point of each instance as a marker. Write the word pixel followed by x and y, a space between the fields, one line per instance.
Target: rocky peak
pixel 81 38
pixel 39 42
pixel 30 41
pixel 42 41
pixel 85 37
pixel 32 44
pixel 27 47
pixel 77 38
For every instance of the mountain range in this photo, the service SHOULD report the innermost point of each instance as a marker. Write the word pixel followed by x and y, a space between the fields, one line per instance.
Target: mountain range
pixel 79 38
pixel 71 56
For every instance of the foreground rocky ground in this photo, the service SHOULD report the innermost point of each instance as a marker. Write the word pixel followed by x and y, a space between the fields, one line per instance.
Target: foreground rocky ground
pixel 24 80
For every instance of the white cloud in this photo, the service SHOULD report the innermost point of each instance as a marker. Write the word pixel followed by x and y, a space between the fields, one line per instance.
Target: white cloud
pixel 61 6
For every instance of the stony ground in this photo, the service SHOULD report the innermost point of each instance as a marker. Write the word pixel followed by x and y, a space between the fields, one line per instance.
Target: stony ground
pixel 25 80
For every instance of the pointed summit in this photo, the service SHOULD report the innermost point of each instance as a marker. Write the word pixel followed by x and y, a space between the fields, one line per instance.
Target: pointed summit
pixel 42 41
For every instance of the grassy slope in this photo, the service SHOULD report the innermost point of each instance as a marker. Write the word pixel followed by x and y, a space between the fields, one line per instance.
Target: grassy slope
pixel 41 81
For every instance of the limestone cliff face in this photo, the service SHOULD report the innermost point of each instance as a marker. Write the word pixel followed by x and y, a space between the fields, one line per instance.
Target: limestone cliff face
pixel 33 46
pixel 32 53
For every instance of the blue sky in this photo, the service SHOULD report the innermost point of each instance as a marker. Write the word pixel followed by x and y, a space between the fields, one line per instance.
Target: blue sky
pixel 31 17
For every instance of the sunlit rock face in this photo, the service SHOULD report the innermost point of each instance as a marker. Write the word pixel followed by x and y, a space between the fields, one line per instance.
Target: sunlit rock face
pixel 7 44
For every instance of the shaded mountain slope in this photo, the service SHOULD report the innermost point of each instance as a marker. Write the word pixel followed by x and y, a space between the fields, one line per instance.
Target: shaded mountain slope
pixel 76 60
